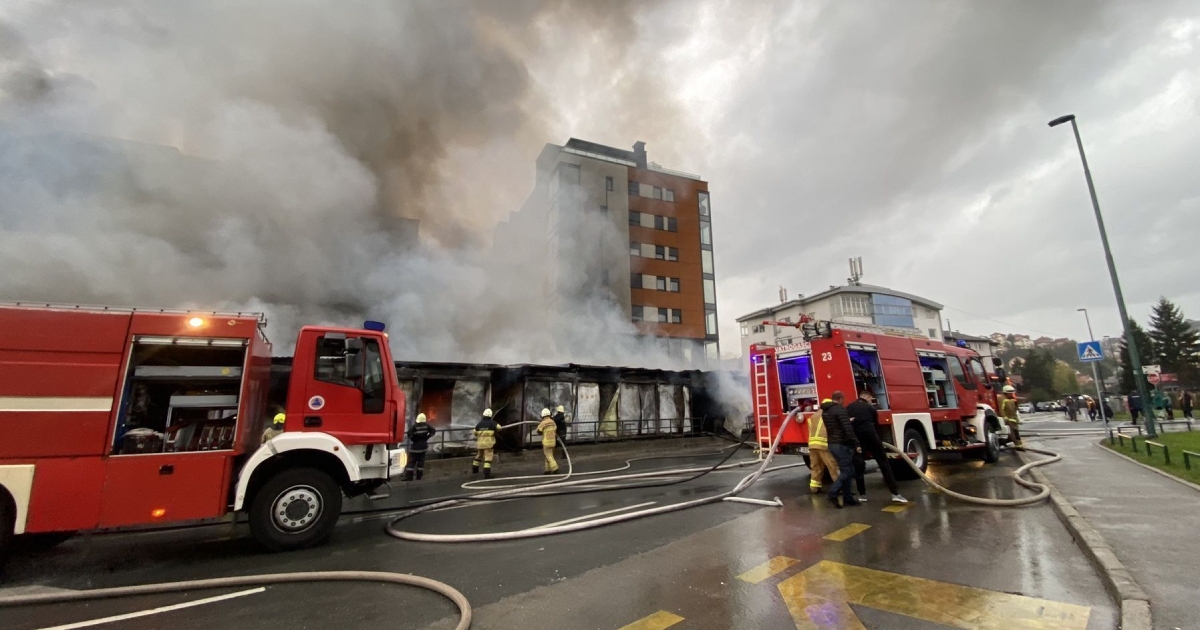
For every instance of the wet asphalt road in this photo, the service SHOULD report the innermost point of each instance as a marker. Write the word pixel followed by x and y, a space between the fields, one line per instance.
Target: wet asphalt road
pixel 686 564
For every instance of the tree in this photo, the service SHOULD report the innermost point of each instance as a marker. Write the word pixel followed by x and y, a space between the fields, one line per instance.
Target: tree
pixel 1066 379
pixel 1038 372
pixel 1146 353
pixel 1174 340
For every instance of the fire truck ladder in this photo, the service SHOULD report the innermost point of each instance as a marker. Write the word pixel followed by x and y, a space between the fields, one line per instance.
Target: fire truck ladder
pixel 762 406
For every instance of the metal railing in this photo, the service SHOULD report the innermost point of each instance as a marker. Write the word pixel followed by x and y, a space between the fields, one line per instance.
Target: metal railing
pixel 455 441
pixel 1116 436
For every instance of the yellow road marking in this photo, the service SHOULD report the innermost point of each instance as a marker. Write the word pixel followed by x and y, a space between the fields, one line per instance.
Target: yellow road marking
pixel 767 569
pixel 847 532
pixel 894 509
pixel 819 598
pixel 658 621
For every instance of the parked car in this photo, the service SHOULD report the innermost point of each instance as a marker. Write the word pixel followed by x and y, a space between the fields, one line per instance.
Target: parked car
pixel 1025 407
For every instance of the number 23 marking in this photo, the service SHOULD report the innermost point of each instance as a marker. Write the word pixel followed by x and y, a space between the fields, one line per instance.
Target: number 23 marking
pixel 826 356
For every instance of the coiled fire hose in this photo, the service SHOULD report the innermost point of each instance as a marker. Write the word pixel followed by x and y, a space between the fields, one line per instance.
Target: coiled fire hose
pixel 741 486
pixel 460 600
pixel 1043 491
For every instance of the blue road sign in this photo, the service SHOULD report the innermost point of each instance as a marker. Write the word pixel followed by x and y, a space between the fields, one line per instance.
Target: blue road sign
pixel 1090 351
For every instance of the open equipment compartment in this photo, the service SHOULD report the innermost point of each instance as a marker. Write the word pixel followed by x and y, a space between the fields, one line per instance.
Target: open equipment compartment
pixel 181 394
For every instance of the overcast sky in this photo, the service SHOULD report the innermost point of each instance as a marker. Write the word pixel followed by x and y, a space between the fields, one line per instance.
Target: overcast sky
pixel 912 134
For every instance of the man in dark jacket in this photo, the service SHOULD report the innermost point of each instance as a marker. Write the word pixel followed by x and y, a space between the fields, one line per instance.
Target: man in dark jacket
pixel 865 420
pixel 418 444
pixel 843 444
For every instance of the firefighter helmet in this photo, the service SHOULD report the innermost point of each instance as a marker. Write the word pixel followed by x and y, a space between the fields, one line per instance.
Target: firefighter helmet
pixel 487 413
pixel 420 418
pixel 545 413
pixel 1009 389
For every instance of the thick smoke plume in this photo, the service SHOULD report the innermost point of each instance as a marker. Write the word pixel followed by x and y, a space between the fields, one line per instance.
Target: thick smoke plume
pixel 271 156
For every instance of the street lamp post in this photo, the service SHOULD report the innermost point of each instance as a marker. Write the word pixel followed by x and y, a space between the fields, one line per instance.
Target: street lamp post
pixel 1095 374
pixel 1135 360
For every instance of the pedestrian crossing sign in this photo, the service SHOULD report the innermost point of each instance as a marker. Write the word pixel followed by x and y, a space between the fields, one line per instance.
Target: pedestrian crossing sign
pixel 1090 351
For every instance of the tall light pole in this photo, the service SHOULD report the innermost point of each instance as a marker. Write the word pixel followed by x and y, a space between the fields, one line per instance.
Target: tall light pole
pixel 1095 374
pixel 1135 360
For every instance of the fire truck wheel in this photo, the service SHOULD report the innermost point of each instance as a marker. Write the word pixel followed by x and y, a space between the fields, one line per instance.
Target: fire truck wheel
pixel 296 508
pixel 991 437
pixel 8 523
pixel 914 442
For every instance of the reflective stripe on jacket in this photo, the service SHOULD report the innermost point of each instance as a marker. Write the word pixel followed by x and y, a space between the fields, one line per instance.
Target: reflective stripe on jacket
pixel 816 432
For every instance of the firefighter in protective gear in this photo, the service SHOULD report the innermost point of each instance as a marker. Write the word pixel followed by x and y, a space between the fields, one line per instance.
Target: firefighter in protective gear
pixel 485 441
pixel 276 427
pixel 418 438
pixel 819 457
pixel 549 432
pixel 1008 411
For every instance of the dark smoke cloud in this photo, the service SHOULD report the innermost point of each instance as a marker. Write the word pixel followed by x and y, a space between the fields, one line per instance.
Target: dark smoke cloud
pixel 263 156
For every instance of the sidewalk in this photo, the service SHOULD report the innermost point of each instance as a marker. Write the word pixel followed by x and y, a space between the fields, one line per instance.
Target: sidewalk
pixel 1149 521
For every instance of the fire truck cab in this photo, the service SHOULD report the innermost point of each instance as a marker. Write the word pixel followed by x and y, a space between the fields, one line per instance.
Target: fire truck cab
pixel 113 418
pixel 933 398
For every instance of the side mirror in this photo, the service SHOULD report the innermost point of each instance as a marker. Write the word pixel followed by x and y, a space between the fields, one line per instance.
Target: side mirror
pixel 996 362
pixel 1001 374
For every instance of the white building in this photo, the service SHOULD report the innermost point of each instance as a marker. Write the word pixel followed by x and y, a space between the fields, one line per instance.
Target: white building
pixel 854 304
pixel 983 345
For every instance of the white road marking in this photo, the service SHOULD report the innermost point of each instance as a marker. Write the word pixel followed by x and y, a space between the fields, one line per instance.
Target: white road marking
pixel 596 515
pixel 155 611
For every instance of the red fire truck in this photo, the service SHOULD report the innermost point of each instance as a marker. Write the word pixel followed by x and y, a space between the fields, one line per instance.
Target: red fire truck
pixel 933 398
pixel 114 418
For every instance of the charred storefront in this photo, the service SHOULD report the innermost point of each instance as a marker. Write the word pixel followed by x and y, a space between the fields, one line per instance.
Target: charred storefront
pixel 600 403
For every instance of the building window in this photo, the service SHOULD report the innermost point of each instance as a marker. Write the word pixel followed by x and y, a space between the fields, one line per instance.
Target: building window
pixel 635 249
pixel 856 305
pixel 635 218
pixel 658 192
pixel 660 223
pixel 633 187
pixel 672 225
pixel 710 323
pixel 933 333
pixel 745 330
pixel 673 253
pixel 660 252
pixel 635 280
pixel 663 315
pixel 705 233
pixel 637 313
pixel 710 292
pixel 760 328
pixel 676 316
pixel 660 283
pixel 668 195
pixel 706 261
pixel 673 285
pixel 703 197
pixel 712 351
pixel 608 184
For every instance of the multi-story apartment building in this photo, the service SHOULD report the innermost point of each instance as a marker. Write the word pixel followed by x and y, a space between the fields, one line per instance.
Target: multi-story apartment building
pixel 627 232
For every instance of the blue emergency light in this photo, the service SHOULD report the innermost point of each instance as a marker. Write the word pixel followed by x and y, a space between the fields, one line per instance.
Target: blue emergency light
pixel 961 343
pixel 374 325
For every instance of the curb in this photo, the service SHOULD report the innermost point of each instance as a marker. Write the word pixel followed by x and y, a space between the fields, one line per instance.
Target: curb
pixel 1118 581
pixel 1149 467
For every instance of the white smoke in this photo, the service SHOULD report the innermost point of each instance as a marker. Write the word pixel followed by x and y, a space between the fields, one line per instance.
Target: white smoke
pixel 259 156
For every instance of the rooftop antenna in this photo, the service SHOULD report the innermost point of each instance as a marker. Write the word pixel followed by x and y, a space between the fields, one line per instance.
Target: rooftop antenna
pixel 856 271
pixel 782 295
